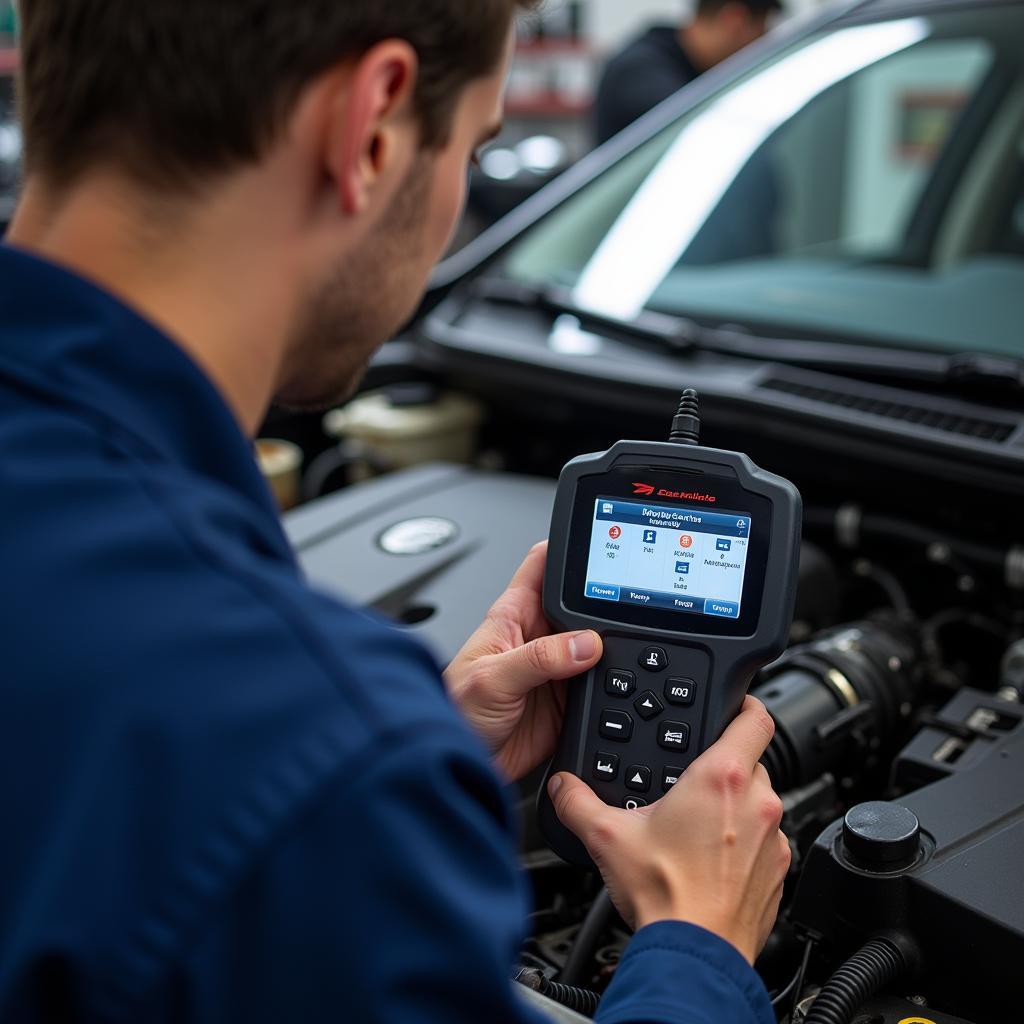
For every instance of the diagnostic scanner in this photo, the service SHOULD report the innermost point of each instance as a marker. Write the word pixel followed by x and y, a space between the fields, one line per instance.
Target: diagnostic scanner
pixel 685 560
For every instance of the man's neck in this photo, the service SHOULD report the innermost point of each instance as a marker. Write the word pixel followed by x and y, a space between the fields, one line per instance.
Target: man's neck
pixel 207 281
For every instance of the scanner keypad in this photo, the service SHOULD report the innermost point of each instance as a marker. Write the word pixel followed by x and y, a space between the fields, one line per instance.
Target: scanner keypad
pixel 640 743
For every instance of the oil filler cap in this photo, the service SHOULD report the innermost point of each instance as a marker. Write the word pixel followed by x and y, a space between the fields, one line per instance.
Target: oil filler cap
pixel 881 836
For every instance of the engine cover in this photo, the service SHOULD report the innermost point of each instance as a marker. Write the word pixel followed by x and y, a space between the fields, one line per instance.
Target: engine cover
pixel 431 547
pixel 956 890
pixel 899 1011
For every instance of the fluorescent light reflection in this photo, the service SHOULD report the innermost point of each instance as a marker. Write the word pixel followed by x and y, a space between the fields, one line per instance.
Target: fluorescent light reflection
pixel 663 218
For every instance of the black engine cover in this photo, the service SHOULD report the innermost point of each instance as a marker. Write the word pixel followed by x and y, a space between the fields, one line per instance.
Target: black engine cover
pixel 961 902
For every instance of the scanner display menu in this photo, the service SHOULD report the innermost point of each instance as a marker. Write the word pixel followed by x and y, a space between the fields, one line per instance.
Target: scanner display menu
pixel 680 559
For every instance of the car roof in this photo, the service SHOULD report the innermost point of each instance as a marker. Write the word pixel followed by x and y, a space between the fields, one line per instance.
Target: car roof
pixel 883 8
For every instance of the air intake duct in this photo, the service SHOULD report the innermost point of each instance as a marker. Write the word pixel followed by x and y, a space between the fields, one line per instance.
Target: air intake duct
pixel 839 699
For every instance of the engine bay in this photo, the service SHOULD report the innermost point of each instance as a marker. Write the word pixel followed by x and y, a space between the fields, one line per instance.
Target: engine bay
pixel 899 705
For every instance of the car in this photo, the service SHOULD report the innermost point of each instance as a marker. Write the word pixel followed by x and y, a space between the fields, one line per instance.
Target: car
pixel 10 136
pixel 824 237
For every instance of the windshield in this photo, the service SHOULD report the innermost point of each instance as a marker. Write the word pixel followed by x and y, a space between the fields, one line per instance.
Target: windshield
pixel 868 183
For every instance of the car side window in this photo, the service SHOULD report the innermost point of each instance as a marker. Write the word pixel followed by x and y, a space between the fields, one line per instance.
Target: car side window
pixel 855 165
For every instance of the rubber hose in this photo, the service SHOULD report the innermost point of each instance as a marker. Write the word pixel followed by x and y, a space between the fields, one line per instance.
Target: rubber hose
pixel 877 963
pixel 581 956
pixel 582 1000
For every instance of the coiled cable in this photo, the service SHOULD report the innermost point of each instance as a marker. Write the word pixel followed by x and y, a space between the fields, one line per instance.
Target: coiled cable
pixel 874 965
pixel 582 1000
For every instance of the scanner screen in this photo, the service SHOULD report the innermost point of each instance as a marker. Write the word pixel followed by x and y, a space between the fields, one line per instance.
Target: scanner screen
pixel 668 557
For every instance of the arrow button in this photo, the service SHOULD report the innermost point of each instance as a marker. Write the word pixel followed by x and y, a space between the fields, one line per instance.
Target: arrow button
pixel 648 706
pixel 638 778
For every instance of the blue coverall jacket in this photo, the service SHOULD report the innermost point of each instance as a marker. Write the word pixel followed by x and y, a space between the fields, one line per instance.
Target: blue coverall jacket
pixel 223 796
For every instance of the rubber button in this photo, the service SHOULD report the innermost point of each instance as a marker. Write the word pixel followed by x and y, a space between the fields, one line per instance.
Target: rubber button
pixel 654 659
pixel 606 766
pixel 615 725
pixel 681 692
pixel 619 683
pixel 674 735
pixel 648 706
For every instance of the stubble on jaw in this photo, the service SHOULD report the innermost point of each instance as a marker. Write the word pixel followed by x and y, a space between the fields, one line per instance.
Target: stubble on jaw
pixel 360 305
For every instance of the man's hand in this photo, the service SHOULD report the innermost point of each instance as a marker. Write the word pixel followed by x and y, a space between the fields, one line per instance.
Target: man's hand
pixel 709 852
pixel 509 678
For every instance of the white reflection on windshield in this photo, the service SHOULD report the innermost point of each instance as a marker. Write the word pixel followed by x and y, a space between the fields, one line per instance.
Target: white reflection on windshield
pixel 668 210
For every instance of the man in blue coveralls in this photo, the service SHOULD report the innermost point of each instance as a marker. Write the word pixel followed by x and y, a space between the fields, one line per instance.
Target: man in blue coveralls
pixel 224 796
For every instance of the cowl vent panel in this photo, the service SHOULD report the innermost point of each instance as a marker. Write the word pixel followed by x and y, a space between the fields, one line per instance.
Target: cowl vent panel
pixel 929 417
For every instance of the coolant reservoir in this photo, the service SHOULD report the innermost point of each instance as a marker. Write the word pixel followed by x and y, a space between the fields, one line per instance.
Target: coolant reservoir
pixel 410 424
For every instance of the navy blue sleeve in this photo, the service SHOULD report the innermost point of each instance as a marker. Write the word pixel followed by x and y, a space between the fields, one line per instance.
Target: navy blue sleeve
pixel 396 898
pixel 676 973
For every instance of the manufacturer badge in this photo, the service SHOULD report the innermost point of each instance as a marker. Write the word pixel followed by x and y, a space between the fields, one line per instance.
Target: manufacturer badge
pixel 417 536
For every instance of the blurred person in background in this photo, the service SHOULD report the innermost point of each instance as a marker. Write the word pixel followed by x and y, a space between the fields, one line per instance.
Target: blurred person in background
pixel 666 57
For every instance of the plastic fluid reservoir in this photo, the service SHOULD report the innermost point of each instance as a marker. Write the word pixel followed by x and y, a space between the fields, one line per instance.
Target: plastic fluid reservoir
pixel 410 424
pixel 281 464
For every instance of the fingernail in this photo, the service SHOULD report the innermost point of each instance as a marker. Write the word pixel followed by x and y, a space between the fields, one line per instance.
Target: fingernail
pixel 583 646
pixel 554 786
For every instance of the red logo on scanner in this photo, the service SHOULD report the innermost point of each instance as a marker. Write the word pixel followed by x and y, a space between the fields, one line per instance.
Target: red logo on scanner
pixel 649 490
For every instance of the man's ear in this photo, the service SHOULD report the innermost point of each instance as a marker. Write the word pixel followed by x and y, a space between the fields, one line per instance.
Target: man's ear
pixel 372 132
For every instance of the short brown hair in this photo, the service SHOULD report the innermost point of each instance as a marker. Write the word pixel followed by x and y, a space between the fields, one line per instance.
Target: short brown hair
pixel 173 91
pixel 709 8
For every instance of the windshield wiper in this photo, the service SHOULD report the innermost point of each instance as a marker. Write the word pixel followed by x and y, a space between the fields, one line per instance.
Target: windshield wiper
pixel 959 370
pixel 662 329
pixel 680 335
pixel 979 368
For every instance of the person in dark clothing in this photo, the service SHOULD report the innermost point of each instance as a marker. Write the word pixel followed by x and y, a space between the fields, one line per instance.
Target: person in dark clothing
pixel 225 797
pixel 665 58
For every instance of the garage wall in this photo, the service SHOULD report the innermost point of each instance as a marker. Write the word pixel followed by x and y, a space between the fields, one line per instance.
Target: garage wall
pixel 885 178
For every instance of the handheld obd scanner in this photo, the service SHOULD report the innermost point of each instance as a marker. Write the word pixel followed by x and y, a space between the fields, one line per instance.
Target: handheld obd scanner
pixel 685 560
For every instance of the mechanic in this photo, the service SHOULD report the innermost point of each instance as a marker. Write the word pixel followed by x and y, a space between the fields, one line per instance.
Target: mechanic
pixel 227 797
pixel 667 57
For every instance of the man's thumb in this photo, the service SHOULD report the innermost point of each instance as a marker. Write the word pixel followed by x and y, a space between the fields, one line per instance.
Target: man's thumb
pixel 578 807
pixel 560 656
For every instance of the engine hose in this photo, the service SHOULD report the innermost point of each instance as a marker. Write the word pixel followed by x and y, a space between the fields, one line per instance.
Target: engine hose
pixel 580 962
pixel 873 966
pixel 581 1000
